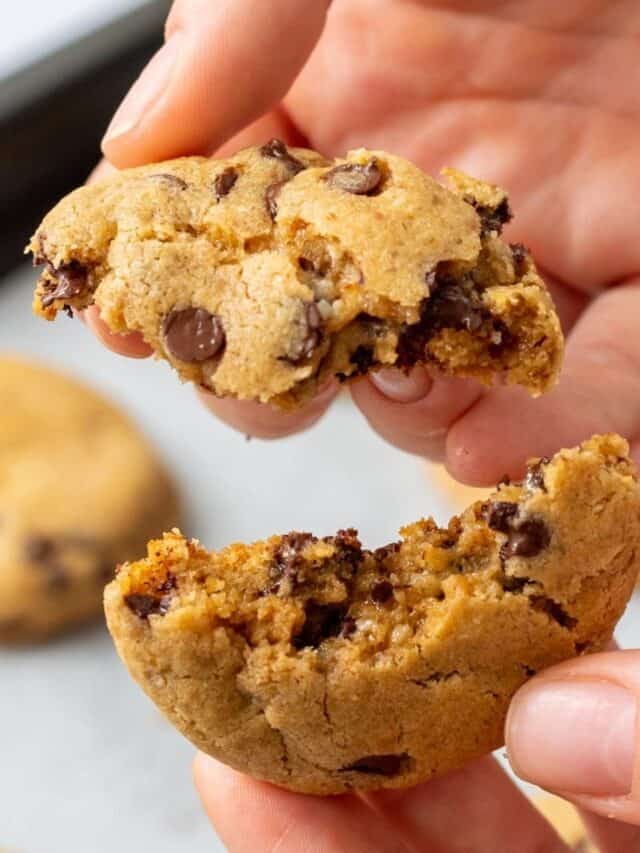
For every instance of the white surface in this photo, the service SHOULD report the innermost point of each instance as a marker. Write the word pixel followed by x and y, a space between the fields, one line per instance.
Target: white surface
pixel 35 28
pixel 86 763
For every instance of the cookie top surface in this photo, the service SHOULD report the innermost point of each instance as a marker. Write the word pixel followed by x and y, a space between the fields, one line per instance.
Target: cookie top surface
pixel 260 275
pixel 79 491
pixel 322 666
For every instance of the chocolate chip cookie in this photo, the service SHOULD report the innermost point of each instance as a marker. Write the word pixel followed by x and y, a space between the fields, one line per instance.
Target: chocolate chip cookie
pixel 260 276
pixel 80 490
pixel 324 667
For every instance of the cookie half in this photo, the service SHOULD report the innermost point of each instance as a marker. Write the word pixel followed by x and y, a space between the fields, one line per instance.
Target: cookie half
pixel 80 491
pixel 323 667
pixel 260 276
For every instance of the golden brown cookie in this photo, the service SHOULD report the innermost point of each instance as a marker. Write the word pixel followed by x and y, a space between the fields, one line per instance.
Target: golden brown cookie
pixel 323 667
pixel 80 490
pixel 261 275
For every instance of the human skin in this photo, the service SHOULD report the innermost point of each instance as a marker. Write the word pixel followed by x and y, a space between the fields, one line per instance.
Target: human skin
pixel 539 96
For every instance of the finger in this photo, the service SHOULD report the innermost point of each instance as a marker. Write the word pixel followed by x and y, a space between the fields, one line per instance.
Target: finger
pixel 259 420
pixel 476 808
pixel 250 815
pixel 222 65
pixel 599 391
pixel 574 731
pixel 274 124
pixel 131 345
pixel 415 413
pixel 103 170
pixel 388 401
pixel 611 836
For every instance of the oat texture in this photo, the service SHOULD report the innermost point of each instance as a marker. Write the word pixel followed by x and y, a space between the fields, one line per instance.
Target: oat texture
pixel 80 491
pixel 323 667
pixel 262 275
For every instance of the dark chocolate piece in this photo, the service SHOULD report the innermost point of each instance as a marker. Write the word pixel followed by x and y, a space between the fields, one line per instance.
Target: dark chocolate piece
pixel 355 178
pixel 193 334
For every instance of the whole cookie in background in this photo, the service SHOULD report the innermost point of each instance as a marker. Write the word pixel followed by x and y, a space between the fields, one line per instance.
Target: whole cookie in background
pixel 323 667
pixel 261 275
pixel 566 821
pixel 80 491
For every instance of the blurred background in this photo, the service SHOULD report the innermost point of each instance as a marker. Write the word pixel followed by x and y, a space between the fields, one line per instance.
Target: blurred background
pixel 86 762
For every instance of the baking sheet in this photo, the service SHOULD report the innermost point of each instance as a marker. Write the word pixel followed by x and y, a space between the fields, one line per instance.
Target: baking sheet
pixel 86 762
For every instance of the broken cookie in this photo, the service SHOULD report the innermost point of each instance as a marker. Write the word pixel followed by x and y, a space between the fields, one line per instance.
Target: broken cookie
pixel 261 275
pixel 323 667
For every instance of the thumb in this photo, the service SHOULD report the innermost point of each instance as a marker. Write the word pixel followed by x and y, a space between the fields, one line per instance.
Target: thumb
pixel 223 64
pixel 574 730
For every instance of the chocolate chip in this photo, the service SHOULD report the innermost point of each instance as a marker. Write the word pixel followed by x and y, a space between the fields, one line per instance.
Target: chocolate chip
pixel 535 475
pixel 493 218
pixel 383 553
pixel 39 549
pixel 381 592
pixel 380 765
pixel 311 335
pixel 42 551
pixel 451 306
pixel 554 610
pixel 322 621
pixel 193 334
pixel 355 178
pixel 171 180
pixel 500 515
pixel 143 605
pixel 277 150
pixel 363 359
pixel 225 182
pixel 271 198
pixel 148 604
pixel 348 546
pixel 71 280
pixel 511 583
pixel 287 559
pixel 349 627
pixel 306 265
pixel 528 539
pixel 520 255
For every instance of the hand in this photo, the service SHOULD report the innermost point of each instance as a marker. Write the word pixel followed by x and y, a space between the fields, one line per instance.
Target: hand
pixel 541 97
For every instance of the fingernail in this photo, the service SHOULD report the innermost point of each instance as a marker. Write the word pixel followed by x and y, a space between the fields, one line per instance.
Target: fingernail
pixel 146 91
pixel 574 736
pixel 402 387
